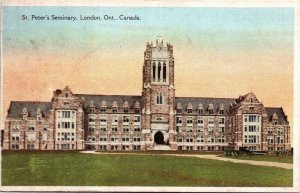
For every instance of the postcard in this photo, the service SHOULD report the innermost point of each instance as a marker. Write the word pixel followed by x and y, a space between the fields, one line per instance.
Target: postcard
pixel 150 96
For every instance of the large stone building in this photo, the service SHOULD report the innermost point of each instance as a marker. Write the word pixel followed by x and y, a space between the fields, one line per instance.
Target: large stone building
pixel 156 120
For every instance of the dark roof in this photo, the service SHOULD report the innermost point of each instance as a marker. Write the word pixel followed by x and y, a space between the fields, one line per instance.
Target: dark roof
pixel 195 101
pixel 15 108
pixel 282 118
pixel 110 99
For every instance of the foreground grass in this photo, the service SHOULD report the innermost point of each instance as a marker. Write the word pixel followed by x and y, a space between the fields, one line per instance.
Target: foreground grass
pixel 270 158
pixel 69 169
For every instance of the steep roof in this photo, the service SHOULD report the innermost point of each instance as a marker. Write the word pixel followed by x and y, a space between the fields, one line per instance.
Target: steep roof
pixel 110 99
pixel 282 118
pixel 15 108
pixel 205 101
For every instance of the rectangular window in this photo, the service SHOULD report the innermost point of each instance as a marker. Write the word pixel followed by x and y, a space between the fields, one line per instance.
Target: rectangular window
pixel 114 120
pixel 66 114
pixel 125 119
pixel 125 128
pixel 178 120
pixel 280 131
pixel 137 119
pixel 270 131
pixel 200 129
pixel 200 120
pixel 221 120
pixel 211 120
pixel 137 128
pixel 189 129
pixel 103 128
pixel 189 120
pixel 178 128
pixel 222 129
pixel 136 139
pixel 210 128
pixel 114 128
pixel 270 139
pixel 252 118
pixel 103 119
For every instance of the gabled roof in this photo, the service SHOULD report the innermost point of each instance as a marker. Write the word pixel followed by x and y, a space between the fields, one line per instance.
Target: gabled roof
pixel 110 99
pixel 205 101
pixel 15 108
pixel 282 118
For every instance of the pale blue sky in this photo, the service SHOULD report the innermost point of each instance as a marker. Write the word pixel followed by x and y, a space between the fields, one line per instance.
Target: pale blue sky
pixel 225 27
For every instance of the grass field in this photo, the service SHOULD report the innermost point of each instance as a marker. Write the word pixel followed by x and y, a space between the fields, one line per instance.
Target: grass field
pixel 69 169
pixel 270 158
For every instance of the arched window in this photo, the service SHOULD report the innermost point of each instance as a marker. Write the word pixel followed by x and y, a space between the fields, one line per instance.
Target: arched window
pixel 153 71
pixel 159 71
pixel 164 72
pixel 159 99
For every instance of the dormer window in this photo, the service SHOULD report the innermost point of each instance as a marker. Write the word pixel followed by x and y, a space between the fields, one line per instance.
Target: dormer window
pixel 274 119
pixel 125 107
pixel 221 112
pixel 210 109
pixel 190 108
pixel 126 110
pixel 178 108
pixel 115 107
pixel 200 111
pixel 103 107
pixel 137 107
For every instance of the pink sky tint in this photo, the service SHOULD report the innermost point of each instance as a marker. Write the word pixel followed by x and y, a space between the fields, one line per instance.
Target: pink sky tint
pixel 34 76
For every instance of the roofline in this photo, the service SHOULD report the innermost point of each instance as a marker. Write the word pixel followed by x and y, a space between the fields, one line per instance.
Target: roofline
pixel 108 95
pixel 208 98
pixel 31 101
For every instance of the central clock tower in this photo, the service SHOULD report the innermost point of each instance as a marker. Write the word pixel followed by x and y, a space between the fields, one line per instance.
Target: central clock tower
pixel 158 95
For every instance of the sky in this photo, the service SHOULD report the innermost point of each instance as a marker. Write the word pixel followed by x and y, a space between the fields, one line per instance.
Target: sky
pixel 219 52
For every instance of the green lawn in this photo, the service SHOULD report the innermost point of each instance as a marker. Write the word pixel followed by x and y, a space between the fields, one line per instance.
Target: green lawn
pixel 69 169
pixel 270 158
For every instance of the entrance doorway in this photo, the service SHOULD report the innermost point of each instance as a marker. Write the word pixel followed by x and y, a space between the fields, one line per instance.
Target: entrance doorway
pixel 159 138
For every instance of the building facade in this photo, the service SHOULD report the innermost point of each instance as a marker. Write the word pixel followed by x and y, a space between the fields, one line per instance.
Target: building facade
pixel 155 120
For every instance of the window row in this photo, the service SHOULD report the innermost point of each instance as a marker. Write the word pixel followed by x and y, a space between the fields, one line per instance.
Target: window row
pixel 271 140
pixel 159 72
pixel 114 119
pixel 252 118
pixel 200 120
pixel 66 114
pixel 251 128
pixel 199 129
pixel 114 139
pixel 115 128
pixel 271 131
pixel 65 146
pixel 65 125
pixel 251 139
pixel 201 139
pixel 200 111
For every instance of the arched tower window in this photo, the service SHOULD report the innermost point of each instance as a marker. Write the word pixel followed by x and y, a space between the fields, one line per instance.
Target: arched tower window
pixel 164 72
pixel 159 99
pixel 153 71
pixel 159 71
